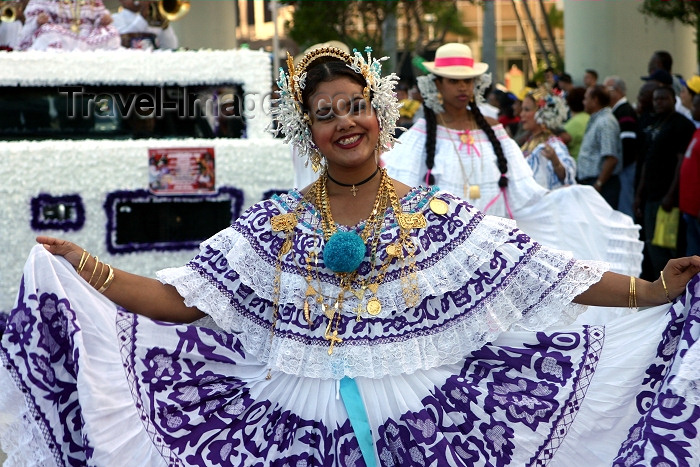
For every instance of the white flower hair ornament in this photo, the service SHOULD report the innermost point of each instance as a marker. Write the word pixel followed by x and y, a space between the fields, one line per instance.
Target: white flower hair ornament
pixel 429 92
pixel 431 95
pixel 295 125
pixel 552 110
pixel 481 84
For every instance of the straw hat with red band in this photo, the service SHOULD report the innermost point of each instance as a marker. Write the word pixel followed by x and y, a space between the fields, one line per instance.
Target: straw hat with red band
pixel 455 60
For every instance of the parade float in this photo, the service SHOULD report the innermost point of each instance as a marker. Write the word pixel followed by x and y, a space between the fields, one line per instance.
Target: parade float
pixel 92 173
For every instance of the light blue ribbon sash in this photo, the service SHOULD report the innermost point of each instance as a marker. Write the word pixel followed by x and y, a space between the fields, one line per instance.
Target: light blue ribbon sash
pixel 358 418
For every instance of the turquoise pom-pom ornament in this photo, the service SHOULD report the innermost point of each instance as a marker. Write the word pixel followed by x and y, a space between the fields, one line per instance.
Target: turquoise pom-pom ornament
pixel 344 252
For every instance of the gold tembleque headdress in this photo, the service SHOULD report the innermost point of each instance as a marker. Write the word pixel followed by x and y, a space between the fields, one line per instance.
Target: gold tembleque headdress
pixel 288 109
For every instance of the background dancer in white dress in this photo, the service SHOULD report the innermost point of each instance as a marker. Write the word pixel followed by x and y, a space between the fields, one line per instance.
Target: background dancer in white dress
pixel 459 150
pixel 542 114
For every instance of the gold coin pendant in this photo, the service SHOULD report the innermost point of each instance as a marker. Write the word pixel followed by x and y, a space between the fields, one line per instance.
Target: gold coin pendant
pixel 438 206
pixel 374 306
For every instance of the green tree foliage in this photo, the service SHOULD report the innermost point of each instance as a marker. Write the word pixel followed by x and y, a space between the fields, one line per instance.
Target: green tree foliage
pixel 685 11
pixel 358 23
pixel 355 23
pixel 555 17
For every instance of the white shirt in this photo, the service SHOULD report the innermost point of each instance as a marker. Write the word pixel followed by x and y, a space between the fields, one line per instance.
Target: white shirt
pixel 127 22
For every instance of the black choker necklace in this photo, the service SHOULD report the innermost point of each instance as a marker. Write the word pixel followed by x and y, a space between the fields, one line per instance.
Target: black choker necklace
pixel 353 185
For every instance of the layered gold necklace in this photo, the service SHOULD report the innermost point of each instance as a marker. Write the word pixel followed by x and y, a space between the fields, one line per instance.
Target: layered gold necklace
pixel 534 141
pixel 470 190
pixel 363 288
pixel 75 12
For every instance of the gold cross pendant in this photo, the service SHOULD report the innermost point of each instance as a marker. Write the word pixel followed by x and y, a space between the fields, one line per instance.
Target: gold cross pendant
pixel 333 339
pixel 354 190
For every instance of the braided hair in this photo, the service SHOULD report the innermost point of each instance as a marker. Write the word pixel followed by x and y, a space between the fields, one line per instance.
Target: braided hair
pixel 431 133
pixel 430 137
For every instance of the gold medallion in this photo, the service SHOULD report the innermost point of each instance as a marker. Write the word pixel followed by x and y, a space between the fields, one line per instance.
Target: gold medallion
pixel 392 250
pixel 374 306
pixel 466 138
pixel 474 192
pixel 438 206
pixel 412 221
pixel 283 222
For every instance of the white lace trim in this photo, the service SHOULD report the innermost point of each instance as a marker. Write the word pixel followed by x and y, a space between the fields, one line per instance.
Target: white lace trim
pixel 20 437
pixel 502 311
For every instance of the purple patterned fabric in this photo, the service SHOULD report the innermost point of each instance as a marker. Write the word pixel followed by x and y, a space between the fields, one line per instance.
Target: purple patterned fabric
pixel 39 351
pixel 201 396
pixel 475 276
pixel 198 411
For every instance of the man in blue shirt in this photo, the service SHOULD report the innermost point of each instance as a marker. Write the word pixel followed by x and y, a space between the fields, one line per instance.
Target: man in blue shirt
pixel 599 159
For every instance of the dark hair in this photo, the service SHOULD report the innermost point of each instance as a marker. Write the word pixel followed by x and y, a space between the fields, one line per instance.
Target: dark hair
pixel 645 96
pixel 574 99
pixel 591 71
pixel 565 78
pixel 326 69
pixel 599 93
pixel 431 128
pixel 665 59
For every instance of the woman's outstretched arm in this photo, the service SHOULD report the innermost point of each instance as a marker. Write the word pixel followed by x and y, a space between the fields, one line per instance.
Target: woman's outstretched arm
pixel 616 289
pixel 141 295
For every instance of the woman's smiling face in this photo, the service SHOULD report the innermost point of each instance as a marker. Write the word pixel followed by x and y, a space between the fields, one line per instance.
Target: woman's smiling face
pixel 343 124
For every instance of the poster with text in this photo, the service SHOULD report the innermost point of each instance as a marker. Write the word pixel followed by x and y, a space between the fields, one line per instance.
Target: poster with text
pixel 181 171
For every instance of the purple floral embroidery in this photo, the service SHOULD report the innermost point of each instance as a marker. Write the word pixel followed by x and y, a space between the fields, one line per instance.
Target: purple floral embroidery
pixel 38 350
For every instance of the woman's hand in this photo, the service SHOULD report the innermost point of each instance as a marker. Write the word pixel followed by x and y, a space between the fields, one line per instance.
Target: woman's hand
pixel 142 295
pixel 60 247
pixel 615 289
pixel 676 274
pixel 549 153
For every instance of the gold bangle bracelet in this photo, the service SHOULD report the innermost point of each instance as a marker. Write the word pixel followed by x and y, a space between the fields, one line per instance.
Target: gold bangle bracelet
pixel 97 279
pixel 633 293
pixel 108 281
pixel 97 261
pixel 83 261
pixel 663 281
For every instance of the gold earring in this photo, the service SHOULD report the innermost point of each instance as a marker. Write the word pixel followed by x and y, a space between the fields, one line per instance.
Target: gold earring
pixel 316 161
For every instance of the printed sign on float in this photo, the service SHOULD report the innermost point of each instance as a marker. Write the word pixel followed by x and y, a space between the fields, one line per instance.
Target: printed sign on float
pixel 181 171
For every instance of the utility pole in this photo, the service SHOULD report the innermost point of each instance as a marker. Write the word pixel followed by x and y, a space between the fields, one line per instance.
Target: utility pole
pixel 389 41
pixel 235 24
pixel 488 41
pixel 274 4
